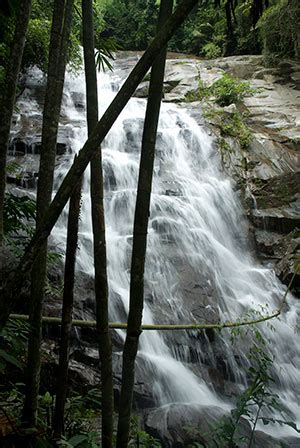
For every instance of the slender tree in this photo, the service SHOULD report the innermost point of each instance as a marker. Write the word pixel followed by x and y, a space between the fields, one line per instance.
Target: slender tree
pixel 59 43
pixel 98 222
pixel 67 313
pixel 8 96
pixel 12 287
pixel 140 230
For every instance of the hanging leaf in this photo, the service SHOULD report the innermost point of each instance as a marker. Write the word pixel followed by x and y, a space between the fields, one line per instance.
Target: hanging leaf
pixel 77 439
pixel 10 359
pixel 106 48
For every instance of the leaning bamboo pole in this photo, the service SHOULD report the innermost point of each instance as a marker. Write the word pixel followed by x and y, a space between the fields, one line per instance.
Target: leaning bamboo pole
pixel 172 327
pixel 123 326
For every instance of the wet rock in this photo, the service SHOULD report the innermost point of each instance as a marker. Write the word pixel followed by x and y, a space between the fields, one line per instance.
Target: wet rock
pixel 110 182
pixel 177 425
pixel 61 148
pixel 144 381
pixel 281 220
pixel 78 100
pixel 134 131
pixel 231 109
pixel 18 146
pixel 266 242
pixel 288 266
pixel 264 440
pixel 142 90
pixel 279 191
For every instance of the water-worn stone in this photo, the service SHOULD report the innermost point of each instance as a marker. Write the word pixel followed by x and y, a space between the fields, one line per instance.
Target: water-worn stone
pixel 179 425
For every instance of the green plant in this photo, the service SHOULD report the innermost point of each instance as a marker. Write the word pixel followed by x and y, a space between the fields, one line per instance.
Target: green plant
pixel 88 440
pixel 13 339
pixel 255 400
pixel 37 43
pixel 211 51
pixel 279 31
pixel 228 90
pixel 19 214
pixel 200 93
pixel 140 438
pixel 81 412
pixel 230 124
pixel 105 52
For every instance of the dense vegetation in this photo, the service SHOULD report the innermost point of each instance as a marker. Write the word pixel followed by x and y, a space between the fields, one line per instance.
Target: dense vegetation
pixel 130 25
pixel 210 30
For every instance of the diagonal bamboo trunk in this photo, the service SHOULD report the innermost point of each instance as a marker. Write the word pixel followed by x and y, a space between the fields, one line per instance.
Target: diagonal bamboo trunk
pixel 59 42
pixel 98 221
pixel 141 217
pixel 11 291
pixel 9 95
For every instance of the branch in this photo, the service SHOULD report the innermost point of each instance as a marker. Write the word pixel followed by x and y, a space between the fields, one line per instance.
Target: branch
pixel 123 326
pixel 219 326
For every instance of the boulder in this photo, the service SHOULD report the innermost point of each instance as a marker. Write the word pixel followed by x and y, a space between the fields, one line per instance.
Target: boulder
pixel 182 425
pixel 288 266
pixel 177 425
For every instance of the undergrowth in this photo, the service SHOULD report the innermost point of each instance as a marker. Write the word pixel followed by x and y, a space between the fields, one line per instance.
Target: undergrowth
pixel 225 91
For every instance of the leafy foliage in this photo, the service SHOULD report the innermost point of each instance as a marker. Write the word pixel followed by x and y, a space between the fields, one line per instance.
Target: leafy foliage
pixel 257 402
pixel 133 23
pixel 139 438
pixel 37 43
pixel 279 30
pixel 13 345
pixel 206 25
pixel 228 90
pixel 105 53
pixel 211 50
pixel 19 212
pixel 232 125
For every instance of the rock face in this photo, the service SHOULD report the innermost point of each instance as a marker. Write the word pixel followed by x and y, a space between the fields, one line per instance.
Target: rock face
pixel 267 172
pixel 179 425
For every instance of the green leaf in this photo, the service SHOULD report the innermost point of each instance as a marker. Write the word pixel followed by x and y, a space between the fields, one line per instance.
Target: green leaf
pixel 10 359
pixel 77 439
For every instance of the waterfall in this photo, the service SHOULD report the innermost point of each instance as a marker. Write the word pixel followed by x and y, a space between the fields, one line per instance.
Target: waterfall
pixel 198 265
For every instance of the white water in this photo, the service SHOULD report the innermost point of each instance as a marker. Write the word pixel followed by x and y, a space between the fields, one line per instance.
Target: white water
pixel 196 222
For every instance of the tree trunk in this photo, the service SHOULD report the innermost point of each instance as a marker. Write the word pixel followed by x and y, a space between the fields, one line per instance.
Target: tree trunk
pixel 13 286
pixel 140 230
pixel 67 312
pixel 230 43
pixel 9 95
pixel 59 42
pixel 101 287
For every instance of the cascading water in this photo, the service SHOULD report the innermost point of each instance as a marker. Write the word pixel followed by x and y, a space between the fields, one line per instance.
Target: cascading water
pixel 197 241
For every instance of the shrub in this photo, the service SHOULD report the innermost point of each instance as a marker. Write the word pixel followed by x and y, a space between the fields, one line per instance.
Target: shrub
pixel 279 30
pixel 228 90
pixel 19 213
pixel 211 51
pixel 231 125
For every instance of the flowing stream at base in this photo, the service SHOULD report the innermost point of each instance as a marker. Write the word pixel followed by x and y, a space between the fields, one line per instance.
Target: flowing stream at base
pixel 197 228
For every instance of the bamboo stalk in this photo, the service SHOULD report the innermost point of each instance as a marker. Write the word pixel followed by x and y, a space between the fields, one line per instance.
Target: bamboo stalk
pixel 123 326
pixel 172 327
